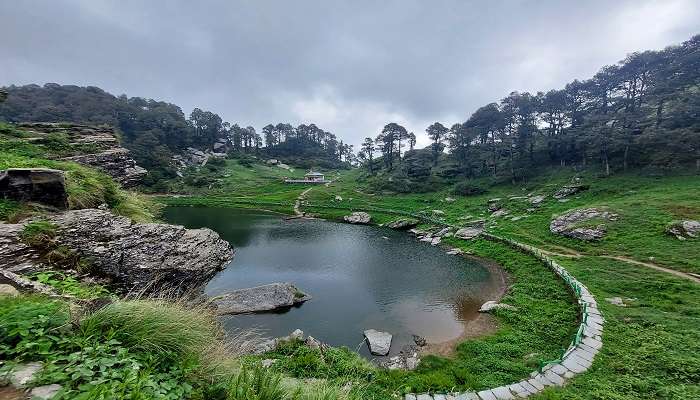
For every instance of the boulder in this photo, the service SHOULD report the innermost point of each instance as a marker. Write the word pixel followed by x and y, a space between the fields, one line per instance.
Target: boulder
pixel 470 232
pixel 259 299
pixel 338 198
pixel 45 392
pixel 407 359
pixel 493 305
pixel 684 229
pixel 569 190
pixel 358 217
pixel 403 224
pixel 40 185
pixel 379 342
pixel 8 290
pixel 272 161
pixel 583 224
pixel 419 341
pixel 537 200
pixel 450 199
pixel 134 256
pixel 499 213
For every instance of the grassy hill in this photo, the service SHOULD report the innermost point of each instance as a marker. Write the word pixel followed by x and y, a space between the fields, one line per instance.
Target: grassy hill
pixel 651 346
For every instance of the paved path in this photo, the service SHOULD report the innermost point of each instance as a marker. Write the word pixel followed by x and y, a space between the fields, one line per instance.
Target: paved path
pixel 575 360
pixel 297 203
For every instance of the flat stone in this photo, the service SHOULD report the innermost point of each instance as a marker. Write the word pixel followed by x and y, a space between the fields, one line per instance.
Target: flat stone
pixel 487 395
pixel 556 379
pixel 424 397
pixel 528 386
pixel 259 299
pixel 410 397
pixel 536 384
pixel 45 392
pixel 502 393
pixel 24 373
pixel 596 344
pixel 518 389
pixel 439 397
pixel 379 342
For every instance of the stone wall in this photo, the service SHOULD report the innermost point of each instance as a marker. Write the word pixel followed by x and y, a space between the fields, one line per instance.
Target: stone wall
pixel 577 358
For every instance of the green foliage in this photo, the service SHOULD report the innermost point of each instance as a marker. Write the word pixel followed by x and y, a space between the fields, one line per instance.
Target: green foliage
pixel 30 327
pixel 68 285
pixel 157 327
pixel 39 233
pixel 8 208
pixel 467 188
pixel 258 384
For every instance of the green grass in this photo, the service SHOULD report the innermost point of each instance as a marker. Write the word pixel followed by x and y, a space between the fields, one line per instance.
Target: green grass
pixel 650 347
pixel 85 187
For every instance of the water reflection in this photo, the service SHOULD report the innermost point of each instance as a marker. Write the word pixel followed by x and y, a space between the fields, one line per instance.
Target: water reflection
pixel 360 277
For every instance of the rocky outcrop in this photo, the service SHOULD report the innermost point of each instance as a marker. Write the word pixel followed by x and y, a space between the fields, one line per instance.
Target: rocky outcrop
pixel 195 157
pixel 470 232
pixel 583 224
pixel 259 299
pixel 40 185
pixel 569 190
pixel 683 230
pixel 134 256
pixel 95 146
pixel 402 224
pixel 407 359
pixel 379 342
pixel 358 217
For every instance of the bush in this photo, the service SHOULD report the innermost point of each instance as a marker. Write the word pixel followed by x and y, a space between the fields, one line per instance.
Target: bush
pixel 468 189
pixel 161 328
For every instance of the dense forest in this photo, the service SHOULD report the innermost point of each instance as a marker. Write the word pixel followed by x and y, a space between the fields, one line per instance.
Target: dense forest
pixel 154 130
pixel 643 112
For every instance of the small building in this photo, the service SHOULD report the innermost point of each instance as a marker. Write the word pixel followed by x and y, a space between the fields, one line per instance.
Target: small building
pixel 310 177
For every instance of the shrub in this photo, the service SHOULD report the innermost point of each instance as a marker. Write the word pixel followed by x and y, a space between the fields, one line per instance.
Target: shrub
pixel 68 285
pixel 468 189
pixel 258 384
pixel 162 328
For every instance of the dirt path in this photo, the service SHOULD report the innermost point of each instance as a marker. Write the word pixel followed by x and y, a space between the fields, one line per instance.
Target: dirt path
pixel 570 253
pixel 297 203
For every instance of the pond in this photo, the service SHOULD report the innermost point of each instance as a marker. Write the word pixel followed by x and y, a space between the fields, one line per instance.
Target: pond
pixel 360 277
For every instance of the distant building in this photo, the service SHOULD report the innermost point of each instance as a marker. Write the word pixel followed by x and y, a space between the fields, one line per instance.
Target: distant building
pixel 310 177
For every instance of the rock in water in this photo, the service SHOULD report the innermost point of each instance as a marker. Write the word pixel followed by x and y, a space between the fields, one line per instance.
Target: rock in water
pixel 379 342
pixel 403 224
pixel 358 218
pixel 684 229
pixel 135 256
pixel 259 299
pixel 573 223
pixel 41 185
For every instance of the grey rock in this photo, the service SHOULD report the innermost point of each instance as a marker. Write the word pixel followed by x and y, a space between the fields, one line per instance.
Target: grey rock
pixel 268 362
pixel 379 342
pixel 24 374
pixel 358 217
pixel 572 223
pixel 470 232
pixel 537 200
pixel 259 299
pixel 499 213
pixel 134 256
pixel 684 229
pixel 493 305
pixel 569 190
pixel 8 290
pixel 403 224
pixel 419 340
pixel 438 212
pixel 45 392
pixel 40 185
pixel 107 155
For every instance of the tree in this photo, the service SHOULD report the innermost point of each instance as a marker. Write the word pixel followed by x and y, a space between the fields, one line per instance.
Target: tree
pixel 368 150
pixel 388 140
pixel 411 140
pixel 436 132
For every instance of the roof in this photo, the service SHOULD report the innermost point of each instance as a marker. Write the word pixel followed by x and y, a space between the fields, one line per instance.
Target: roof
pixel 314 174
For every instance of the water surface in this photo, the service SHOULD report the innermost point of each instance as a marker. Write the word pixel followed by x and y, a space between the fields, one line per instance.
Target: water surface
pixel 360 277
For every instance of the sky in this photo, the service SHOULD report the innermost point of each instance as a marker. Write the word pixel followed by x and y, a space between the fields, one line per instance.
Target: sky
pixel 350 67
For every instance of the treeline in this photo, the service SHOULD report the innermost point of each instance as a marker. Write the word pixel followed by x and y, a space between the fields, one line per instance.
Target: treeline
pixel 154 130
pixel 642 112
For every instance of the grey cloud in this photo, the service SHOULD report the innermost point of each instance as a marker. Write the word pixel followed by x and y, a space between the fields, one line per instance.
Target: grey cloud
pixel 348 64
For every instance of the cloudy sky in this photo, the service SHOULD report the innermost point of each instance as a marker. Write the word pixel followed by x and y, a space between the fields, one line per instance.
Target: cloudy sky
pixel 348 66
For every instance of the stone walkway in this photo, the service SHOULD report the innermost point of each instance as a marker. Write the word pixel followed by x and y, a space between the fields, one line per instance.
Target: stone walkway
pixel 575 360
